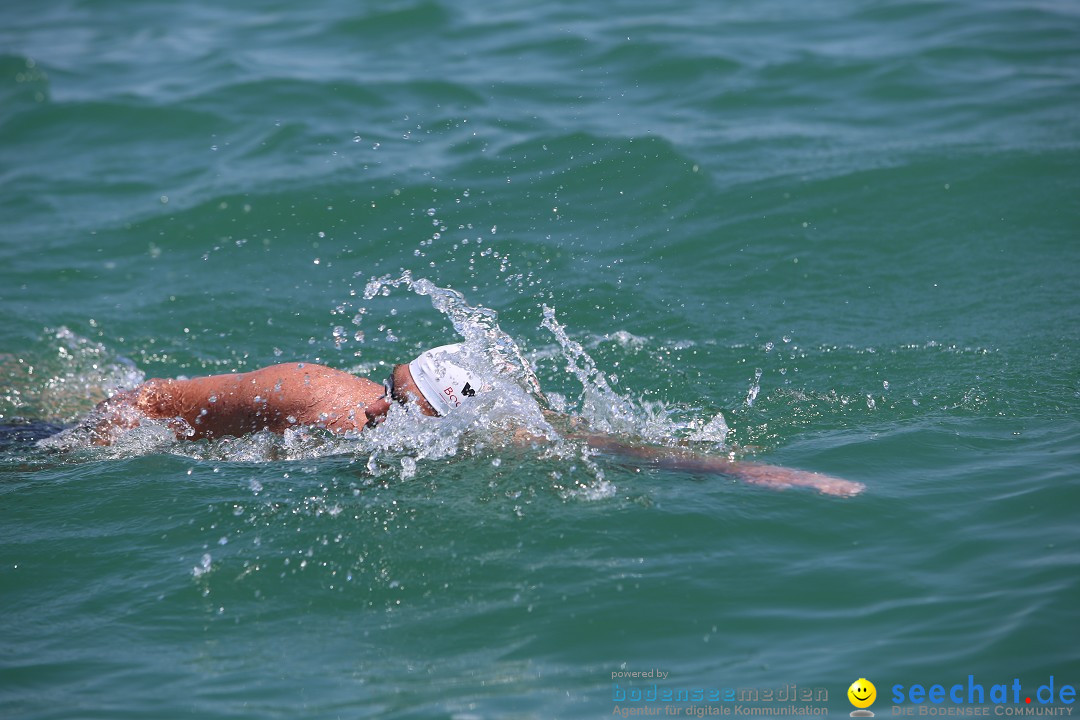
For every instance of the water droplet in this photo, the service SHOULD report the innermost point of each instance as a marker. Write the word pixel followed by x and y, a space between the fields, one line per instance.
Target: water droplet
pixel 752 394
pixel 340 336
pixel 203 567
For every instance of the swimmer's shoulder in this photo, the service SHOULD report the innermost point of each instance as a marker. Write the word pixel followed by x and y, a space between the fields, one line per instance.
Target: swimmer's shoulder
pixel 310 374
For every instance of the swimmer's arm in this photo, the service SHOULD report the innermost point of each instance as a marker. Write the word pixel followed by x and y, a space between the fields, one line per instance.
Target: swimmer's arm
pixel 272 398
pixel 771 476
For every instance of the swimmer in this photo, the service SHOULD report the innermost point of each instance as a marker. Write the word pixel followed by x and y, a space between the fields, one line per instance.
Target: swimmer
pixel 278 397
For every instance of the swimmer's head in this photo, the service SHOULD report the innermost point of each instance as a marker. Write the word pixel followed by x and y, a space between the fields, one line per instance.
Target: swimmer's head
pixel 438 376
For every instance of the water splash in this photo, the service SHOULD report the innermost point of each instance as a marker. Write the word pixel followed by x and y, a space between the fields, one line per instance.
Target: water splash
pixel 755 387
pixel 605 409
pixel 714 431
pixel 477 325
pixel 598 404
pixel 60 382
pixel 608 411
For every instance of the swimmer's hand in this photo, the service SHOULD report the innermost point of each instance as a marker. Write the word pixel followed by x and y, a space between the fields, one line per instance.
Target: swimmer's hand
pixel 113 416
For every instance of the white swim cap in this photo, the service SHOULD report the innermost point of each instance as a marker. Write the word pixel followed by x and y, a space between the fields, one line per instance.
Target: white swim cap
pixel 442 382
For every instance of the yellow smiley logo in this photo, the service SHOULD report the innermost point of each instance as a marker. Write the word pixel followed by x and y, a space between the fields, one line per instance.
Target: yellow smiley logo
pixel 862 693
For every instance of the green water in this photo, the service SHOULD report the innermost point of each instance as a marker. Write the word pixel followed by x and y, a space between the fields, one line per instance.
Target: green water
pixel 848 229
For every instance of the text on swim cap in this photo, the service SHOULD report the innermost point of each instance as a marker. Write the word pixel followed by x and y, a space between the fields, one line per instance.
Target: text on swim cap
pixel 451 394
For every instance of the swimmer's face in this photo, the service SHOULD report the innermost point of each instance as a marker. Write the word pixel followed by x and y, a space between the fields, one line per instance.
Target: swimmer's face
pixel 862 693
pixel 405 390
